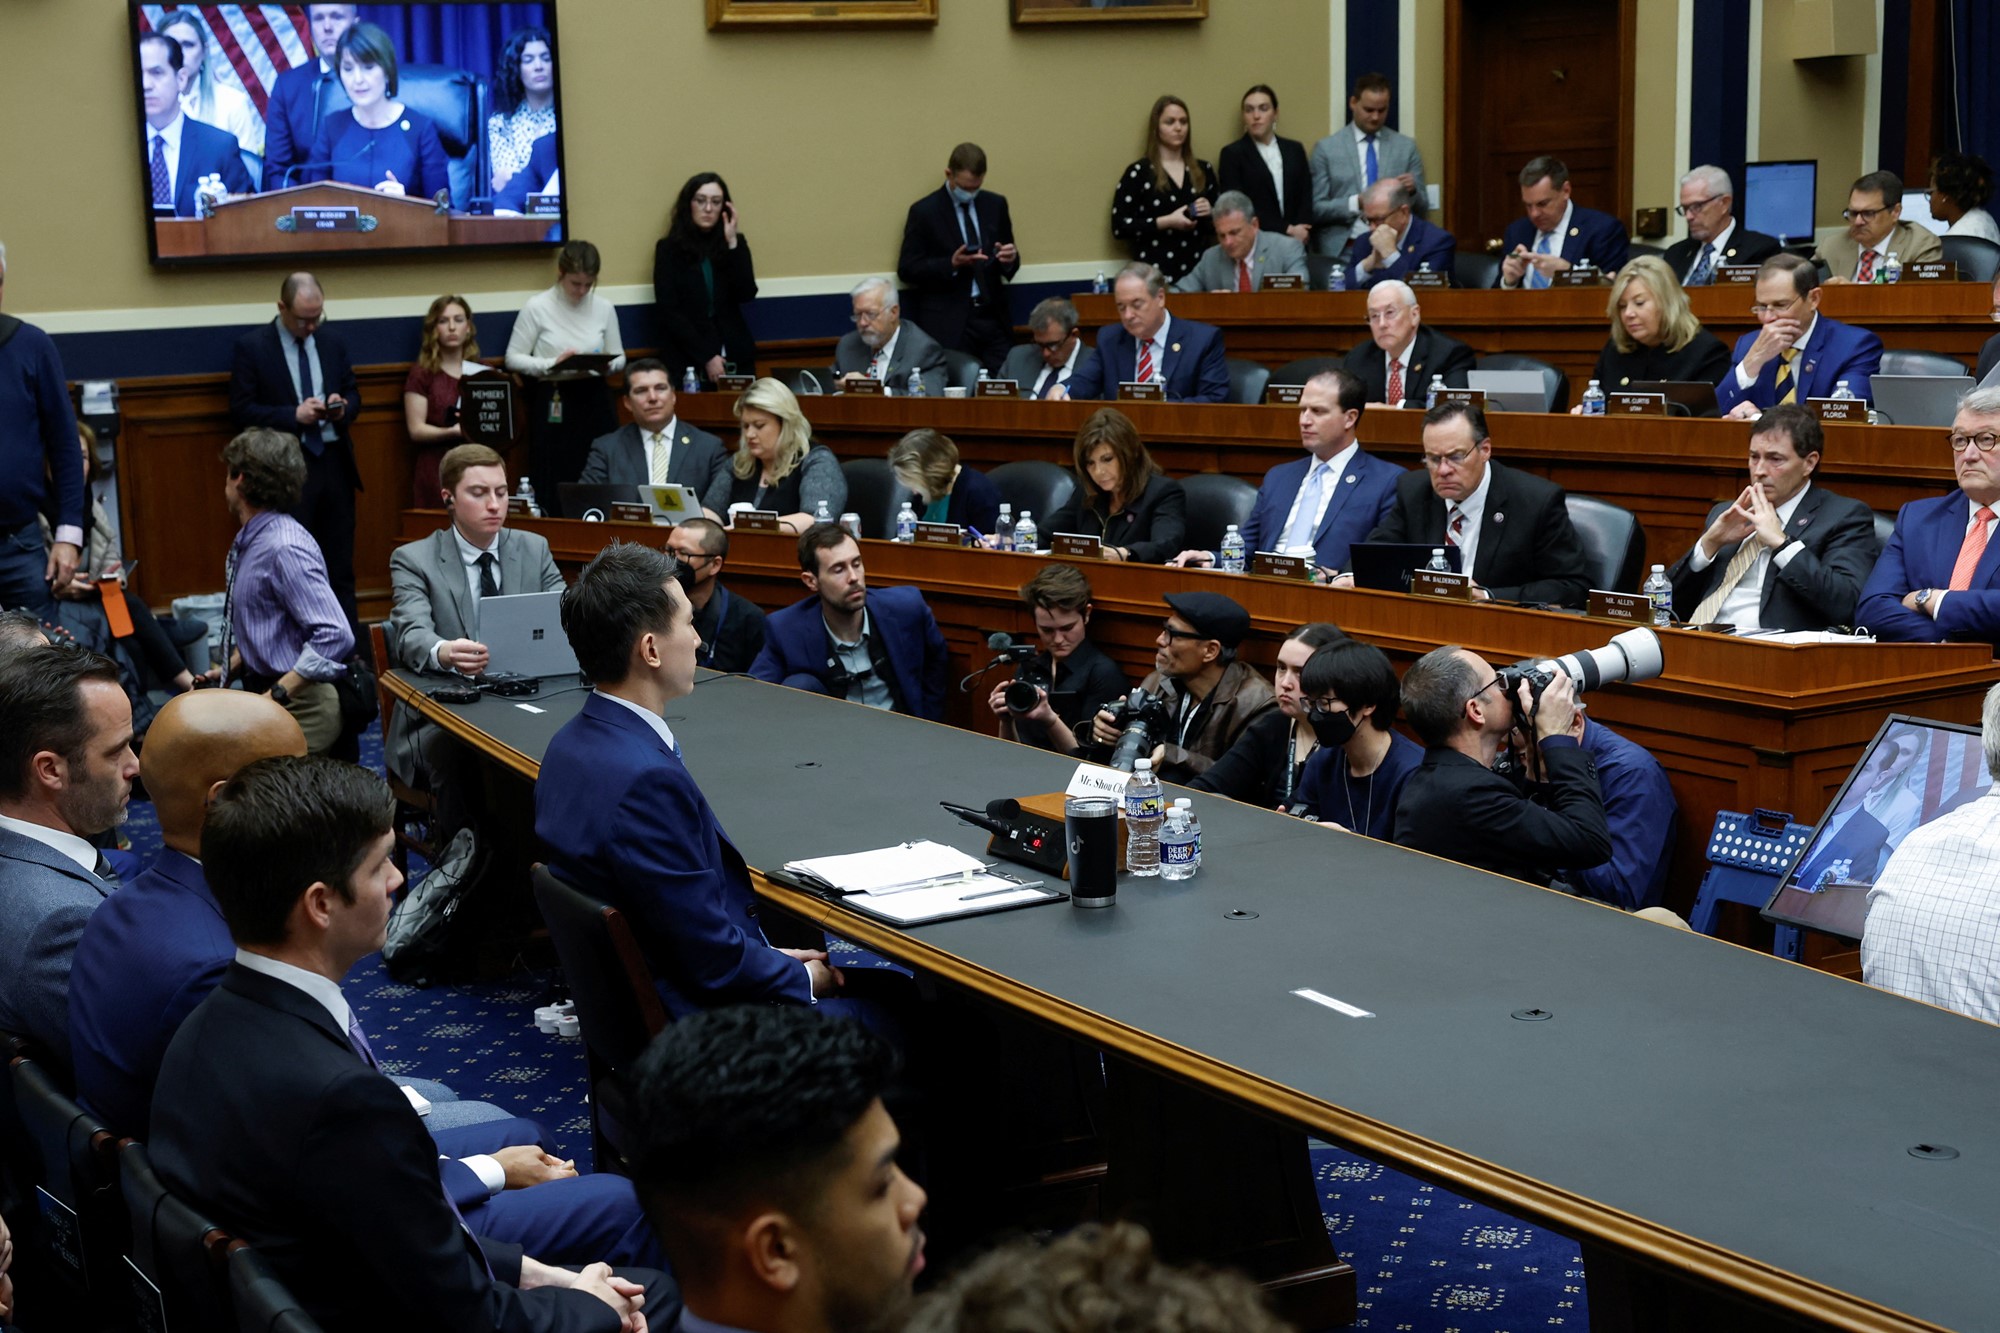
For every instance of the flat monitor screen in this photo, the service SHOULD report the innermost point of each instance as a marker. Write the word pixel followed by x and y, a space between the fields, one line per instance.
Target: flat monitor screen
pixel 1778 198
pixel 291 131
pixel 1912 772
pixel 1917 211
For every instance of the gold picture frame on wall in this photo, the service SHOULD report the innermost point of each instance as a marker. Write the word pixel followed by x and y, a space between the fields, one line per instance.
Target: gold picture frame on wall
pixel 821 13
pixel 1107 11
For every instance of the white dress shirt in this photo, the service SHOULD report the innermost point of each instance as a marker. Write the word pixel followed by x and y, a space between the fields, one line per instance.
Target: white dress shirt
pixel 1747 381
pixel 1334 469
pixel 1274 162
pixel 1744 606
pixel 1062 372
pixel 56 840
pixel 1473 507
pixel 1933 927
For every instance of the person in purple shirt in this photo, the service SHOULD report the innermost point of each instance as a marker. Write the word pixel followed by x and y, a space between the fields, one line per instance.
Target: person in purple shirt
pixel 289 636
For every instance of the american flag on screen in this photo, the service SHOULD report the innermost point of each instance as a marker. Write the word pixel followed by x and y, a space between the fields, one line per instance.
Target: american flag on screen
pixel 259 42
pixel 1955 774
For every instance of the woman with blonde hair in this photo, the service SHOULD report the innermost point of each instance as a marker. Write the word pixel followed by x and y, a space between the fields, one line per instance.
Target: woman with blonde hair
pixel 430 391
pixel 1164 202
pixel 926 461
pixel 1122 497
pixel 1654 335
pixel 777 466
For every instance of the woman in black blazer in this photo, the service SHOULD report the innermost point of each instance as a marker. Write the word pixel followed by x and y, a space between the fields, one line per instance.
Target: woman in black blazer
pixel 1654 335
pixel 1122 496
pixel 926 461
pixel 703 276
pixel 1247 169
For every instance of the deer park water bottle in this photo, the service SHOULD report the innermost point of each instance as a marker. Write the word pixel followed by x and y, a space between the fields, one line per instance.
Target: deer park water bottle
pixel 1892 268
pixel 1180 842
pixel 1336 279
pixel 1661 594
pixel 690 382
pixel 1232 550
pixel 906 523
pixel 1593 400
pixel 1143 813
pixel 1026 536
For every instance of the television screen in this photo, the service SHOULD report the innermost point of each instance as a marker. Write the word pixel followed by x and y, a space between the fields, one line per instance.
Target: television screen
pixel 1912 772
pixel 289 131
pixel 1778 198
pixel 1917 212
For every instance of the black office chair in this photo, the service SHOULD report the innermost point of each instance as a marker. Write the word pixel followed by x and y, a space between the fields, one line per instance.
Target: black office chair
pixel 181 1254
pixel 1978 259
pixel 1555 385
pixel 1885 528
pixel 1637 248
pixel 1034 486
pixel 617 1007
pixel 1246 380
pixel 1475 268
pixel 961 369
pixel 1303 369
pixel 1908 361
pixel 1319 271
pixel 1213 503
pixel 63 1150
pixel 455 101
pixel 264 1304
pixel 807 381
pixel 874 493
pixel 1614 546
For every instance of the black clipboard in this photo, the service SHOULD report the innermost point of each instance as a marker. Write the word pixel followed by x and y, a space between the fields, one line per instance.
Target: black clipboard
pixel 858 902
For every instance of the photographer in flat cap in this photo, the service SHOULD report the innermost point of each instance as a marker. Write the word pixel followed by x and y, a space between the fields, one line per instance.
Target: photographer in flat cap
pixel 1197 700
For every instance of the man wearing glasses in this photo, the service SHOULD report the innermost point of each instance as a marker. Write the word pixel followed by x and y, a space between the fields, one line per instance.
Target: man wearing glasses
pixel 731 627
pixel 1396 365
pixel 1875 230
pixel 1148 345
pixel 1213 696
pixel 1511 528
pixel 1798 353
pixel 886 347
pixel 1939 576
pixel 1708 202
pixel 1055 355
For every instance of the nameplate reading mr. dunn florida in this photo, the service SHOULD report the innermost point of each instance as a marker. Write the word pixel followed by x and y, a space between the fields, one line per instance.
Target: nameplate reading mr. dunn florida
pixel 1838 409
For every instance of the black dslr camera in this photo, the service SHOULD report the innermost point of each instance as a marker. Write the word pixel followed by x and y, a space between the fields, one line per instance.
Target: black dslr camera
pixel 1632 656
pixel 1141 719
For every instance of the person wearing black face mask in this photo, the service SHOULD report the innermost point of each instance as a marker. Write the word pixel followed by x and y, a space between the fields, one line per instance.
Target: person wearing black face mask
pixel 1263 766
pixel 1349 693
pixel 957 258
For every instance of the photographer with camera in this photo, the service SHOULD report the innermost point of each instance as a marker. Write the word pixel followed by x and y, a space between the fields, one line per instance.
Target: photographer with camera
pixel 1457 806
pixel 1199 697
pixel 1053 690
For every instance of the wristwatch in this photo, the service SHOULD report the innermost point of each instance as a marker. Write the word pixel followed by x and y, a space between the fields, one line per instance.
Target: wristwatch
pixel 1923 598
pixel 279 694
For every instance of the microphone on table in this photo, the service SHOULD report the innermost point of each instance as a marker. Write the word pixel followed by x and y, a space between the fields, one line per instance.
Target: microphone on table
pixel 998 817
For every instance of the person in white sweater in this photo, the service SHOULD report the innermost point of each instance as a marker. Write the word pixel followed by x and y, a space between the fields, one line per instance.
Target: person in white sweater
pixel 566 410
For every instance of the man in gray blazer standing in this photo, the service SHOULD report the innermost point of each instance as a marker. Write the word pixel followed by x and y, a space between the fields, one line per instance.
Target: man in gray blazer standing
pixel 1243 254
pixel 885 346
pixel 656 447
pixel 439 581
pixel 1354 157
pixel 66 770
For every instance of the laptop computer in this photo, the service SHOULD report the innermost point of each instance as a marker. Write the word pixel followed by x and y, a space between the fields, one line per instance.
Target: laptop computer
pixel 1697 396
pixel 1918 400
pixel 523 635
pixel 1386 566
pixel 1510 390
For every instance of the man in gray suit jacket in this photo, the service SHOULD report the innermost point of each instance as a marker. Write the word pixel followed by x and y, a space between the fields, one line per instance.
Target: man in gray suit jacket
pixel 1243 254
pixel 66 770
pixel 439 581
pixel 885 346
pixel 1341 169
pixel 1056 354
pixel 626 456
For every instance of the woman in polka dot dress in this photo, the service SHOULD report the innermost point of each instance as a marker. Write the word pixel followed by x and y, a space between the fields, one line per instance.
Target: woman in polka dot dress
pixel 1164 200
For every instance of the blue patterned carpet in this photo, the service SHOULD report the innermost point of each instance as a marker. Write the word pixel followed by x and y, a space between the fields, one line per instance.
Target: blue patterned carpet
pixel 1428 1261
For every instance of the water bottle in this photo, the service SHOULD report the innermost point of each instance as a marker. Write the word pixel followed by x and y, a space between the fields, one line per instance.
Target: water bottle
pixel 1336 280
pixel 1027 537
pixel 1143 810
pixel 1593 400
pixel 1892 268
pixel 690 383
pixel 1180 842
pixel 906 523
pixel 1100 285
pixel 1232 550
pixel 1841 390
pixel 915 389
pixel 1431 394
pixel 1438 564
pixel 1661 594
pixel 525 491
pixel 821 514
pixel 985 376
pixel 1003 531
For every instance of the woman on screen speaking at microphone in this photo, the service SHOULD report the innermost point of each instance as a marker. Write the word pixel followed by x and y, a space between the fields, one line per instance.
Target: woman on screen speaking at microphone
pixel 378 142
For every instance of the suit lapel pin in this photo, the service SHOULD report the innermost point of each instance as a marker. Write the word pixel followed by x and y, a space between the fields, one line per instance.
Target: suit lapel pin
pixel 1730 252
pixel 1499 517
pixel 1576 231
pixel 687 439
pixel 1177 347
pixel 1351 479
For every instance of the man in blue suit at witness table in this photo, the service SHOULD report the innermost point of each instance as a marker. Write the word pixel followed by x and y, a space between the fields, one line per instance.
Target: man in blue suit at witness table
pixel 1329 499
pixel 1798 353
pixel 1939 576
pixel 1148 344
pixel 625 822
pixel 1556 233
pixel 1397 242
pixel 303 96
pixel 882 649
pixel 180 151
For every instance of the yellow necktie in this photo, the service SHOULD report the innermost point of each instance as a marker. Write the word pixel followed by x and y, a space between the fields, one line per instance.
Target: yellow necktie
pixel 1733 574
pixel 660 456
pixel 1787 387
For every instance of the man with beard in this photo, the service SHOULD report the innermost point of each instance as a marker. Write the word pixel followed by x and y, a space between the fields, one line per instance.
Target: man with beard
pixel 886 347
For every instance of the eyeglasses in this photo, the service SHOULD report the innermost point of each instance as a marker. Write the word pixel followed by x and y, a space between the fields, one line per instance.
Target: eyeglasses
pixel 1051 346
pixel 1385 316
pixel 1984 442
pixel 1862 214
pixel 690 557
pixel 1482 689
pixel 1173 633
pixel 867 316
pixel 1759 311
pixel 1689 210
pixel 1454 459
pixel 1326 703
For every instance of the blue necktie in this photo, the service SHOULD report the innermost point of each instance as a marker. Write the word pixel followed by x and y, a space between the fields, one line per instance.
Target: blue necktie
pixel 1704 269
pixel 163 189
pixel 1306 517
pixel 1536 278
pixel 1374 163
pixel 311 439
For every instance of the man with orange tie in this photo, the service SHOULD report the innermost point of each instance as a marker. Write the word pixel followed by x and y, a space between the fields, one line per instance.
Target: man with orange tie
pixel 1243 253
pixel 1939 577
pixel 1798 353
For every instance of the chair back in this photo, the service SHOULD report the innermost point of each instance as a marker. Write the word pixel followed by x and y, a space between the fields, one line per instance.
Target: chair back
pixel 1978 259
pixel 455 101
pixel 1475 268
pixel 1614 546
pixel 822 381
pixel 1213 503
pixel 264 1304
pixel 1319 271
pixel 961 369
pixel 181 1253
pixel 1885 528
pixel 1555 385
pixel 68 1154
pixel 1034 485
pixel 378 647
pixel 1246 380
pixel 615 1001
pixel 874 493
pixel 1909 361
pixel 1303 369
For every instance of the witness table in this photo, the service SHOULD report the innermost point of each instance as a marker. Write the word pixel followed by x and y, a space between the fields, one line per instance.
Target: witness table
pixel 1706 1119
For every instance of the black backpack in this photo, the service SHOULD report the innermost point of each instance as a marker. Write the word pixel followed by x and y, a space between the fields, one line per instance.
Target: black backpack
pixel 429 932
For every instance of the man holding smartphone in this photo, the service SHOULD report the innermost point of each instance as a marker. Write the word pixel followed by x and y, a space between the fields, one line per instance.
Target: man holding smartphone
pixel 958 255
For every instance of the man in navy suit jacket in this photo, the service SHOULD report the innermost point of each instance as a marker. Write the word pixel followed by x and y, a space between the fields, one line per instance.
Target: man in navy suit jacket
pixel 625 822
pixel 303 96
pixel 882 649
pixel 1352 495
pixel 1397 242
pixel 1813 352
pixel 181 151
pixel 1556 233
pixel 955 268
pixel 1184 356
pixel 534 178
pixel 1917 592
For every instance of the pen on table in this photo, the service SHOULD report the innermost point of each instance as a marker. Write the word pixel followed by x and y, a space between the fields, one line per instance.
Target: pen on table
pixel 978 537
pixel 994 893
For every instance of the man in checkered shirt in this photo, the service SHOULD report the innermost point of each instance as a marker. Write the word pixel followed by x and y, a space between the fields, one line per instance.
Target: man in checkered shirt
pixel 1933 930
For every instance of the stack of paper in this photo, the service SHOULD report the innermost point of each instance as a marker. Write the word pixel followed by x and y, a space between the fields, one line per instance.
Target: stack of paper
pixel 906 866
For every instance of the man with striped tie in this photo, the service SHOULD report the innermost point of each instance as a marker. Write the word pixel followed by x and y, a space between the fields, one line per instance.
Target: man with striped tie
pixel 1149 346
pixel 1939 576
pixel 1798 353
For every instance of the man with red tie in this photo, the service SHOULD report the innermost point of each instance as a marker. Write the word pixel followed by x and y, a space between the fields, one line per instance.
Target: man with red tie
pixel 1244 254
pixel 1939 577
pixel 1149 345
